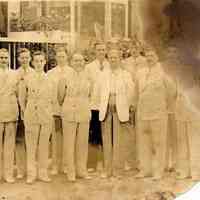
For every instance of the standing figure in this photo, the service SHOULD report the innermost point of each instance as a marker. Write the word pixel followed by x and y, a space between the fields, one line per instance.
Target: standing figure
pixel 132 64
pixel 172 67
pixel 135 62
pixel 8 116
pixel 61 70
pixel 116 90
pixel 183 120
pixel 38 119
pixel 154 90
pixel 24 70
pixel 94 69
pixel 192 128
pixel 74 94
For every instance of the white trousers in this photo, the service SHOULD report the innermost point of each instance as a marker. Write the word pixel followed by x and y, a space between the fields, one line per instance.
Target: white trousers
pixel 183 151
pixel 152 140
pixel 7 148
pixel 171 157
pixel 117 143
pixel 194 144
pixel 37 139
pixel 20 156
pixel 57 145
pixel 75 143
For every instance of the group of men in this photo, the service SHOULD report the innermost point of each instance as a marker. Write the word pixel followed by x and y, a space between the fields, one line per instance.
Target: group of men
pixel 132 101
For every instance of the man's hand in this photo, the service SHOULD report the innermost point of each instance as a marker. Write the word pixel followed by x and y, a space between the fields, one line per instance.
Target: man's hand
pixel 132 115
pixel 131 109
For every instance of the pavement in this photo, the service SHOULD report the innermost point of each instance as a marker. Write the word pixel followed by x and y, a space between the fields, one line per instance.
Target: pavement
pixel 124 188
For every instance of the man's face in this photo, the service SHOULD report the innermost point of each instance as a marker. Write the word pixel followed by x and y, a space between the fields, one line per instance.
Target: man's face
pixel 114 59
pixel 151 58
pixel 134 52
pixel 4 59
pixel 172 53
pixel 78 62
pixel 24 59
pixel 61 58
pixel 39 62
pixel 100 51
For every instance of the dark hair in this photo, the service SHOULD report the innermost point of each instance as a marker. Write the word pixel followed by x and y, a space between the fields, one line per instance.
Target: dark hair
pixel 38 53
pixel 61 49
pixel 99 43
pixel 4 50
pixel 22 50
pixel 118 50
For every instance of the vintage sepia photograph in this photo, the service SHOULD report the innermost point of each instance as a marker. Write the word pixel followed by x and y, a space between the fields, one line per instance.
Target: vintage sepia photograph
pixel 99 99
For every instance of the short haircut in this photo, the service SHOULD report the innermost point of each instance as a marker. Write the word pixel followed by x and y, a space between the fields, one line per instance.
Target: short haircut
pixel 3 50
pixel 99 43
pixel 77 53
pixel 38 53
pixel 61 49
pixel 117 50
pixel 148 48
pixel 23 50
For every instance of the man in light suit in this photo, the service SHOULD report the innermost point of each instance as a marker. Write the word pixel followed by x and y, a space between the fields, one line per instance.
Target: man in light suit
pixel 74 94
pixel 132 64
pixel 115 95
pixel 38 119
pixel 172 67
pixel 154 90
pixel 8 116
pixel 135 62
pixel 94 69
pixel 24 58
pixel 61 70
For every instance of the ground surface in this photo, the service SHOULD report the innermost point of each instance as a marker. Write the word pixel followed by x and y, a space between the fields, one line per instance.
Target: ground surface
pixel 96 189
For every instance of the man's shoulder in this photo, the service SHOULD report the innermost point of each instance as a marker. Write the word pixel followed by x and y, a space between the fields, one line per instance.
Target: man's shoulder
pixel 68 69
pixel 52 71
pixel 128 60
pixel 91 65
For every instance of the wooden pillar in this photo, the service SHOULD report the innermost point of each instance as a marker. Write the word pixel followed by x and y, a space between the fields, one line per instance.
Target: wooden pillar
pixel 126 19
pixel 79 12
pixel 72 24
pixel 15 55
pixel 108 22
pixel 136 19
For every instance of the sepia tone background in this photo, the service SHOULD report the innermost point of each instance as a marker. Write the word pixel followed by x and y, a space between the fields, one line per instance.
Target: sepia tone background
pixel 76 24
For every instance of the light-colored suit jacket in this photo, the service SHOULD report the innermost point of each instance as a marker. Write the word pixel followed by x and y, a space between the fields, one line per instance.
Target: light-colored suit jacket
pixel 56 74
pixel 75 90
pixel 94 70
pixel 8 96
pixel 155 92
pixel 124 93
pixel 21 89
pixel 38 109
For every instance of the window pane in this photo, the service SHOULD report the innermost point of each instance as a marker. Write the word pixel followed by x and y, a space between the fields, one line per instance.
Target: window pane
pixel 41 16
pixel 118 19
pixel 92 19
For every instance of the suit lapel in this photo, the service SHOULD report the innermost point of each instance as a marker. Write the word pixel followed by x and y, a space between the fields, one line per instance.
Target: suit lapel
pixel 4 82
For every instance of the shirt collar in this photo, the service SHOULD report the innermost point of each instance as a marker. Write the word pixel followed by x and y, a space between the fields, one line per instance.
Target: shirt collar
pixel 103 65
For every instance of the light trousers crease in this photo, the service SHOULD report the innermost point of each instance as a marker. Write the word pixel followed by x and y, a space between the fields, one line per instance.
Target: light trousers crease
pixel 37 139
pixel 117 143
pixel 75 143
pixel 57 145
pixel 20 155
pixel 183 153
pixel 7 148
pixel 152 137
pixel 194 144
pixel 171 157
